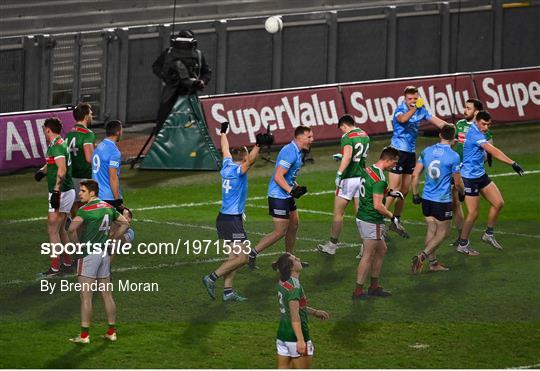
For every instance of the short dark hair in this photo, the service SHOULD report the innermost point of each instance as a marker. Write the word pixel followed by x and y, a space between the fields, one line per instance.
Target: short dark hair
pixel 476 103
pixel 448 132
pixel 389 153
pixel 238 153
pixel 284 266
pixel 301 130
pixel 81 111
pixel 347 120
pixel 112 128
pixel 54 124
pixel 483 115
pixel 91 185
pixel 410 90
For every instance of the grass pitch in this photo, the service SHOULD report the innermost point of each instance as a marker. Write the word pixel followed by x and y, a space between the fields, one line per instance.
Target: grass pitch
pixel 484 313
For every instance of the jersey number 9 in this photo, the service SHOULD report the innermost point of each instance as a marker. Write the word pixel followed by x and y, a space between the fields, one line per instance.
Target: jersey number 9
pixel 96 163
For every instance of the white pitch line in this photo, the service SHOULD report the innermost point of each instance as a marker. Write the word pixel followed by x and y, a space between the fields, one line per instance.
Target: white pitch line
pixel 537 365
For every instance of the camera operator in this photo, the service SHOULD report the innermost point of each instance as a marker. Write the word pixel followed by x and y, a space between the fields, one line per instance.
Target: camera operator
pixel 183 71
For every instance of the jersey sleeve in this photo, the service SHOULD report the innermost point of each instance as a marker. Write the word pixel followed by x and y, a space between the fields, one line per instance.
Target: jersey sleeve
pixel 115 214
pixel 479 139
pixel 295 294
pixel 379 188
pixel 115 160
pixel 57 151
pixel 230 169
pixel 425 113
pixel 287 158
pixel 400 110
pixel 345 141
pixel 89 138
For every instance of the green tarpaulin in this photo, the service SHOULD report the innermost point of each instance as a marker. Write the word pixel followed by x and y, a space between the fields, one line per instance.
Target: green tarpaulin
pixel 183 143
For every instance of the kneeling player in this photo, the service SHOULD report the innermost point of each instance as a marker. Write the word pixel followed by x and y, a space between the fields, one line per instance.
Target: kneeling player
pixel 370 222
pixel 96 217
pixel 442 164
pixel 294 346
pixel 229 223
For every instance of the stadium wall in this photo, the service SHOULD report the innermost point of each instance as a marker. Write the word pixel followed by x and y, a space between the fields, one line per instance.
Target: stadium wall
pixel 111 68
pixel 512 96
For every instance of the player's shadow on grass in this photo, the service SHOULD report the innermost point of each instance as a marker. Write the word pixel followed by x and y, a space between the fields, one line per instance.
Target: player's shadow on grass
pixel 326 275
pixel 350 331
pixel 77 356
pixel 16 300
pixel 64 307
pixel 200 327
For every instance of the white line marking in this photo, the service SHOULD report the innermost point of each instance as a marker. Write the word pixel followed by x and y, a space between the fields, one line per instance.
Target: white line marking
pixel 537 365
pixel 419 346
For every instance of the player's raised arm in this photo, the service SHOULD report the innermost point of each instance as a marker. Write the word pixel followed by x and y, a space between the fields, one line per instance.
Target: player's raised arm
pixel 224 140
pixel 439 123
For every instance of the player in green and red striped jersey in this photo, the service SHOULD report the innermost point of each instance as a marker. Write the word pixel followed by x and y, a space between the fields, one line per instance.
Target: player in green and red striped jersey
pixel 80 143
pixel 294 345
pixel 96 218
pixel 61 194
pixel 472 107
pixel 370 222
pixel 354 150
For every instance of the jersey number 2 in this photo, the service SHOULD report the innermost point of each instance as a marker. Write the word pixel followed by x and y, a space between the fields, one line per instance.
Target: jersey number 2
pixel 360 151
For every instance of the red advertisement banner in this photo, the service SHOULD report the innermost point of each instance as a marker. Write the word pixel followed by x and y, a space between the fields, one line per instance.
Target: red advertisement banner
pixel 373 104
pixel 282 112
pixel 22 141
pixel 510 96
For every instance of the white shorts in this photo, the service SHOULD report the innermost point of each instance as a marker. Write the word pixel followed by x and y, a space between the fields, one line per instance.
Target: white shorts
pixel 371 231
pixel 94 266
pixel 77 186
pixel 288 348
pixel 66 201
pixel 349 188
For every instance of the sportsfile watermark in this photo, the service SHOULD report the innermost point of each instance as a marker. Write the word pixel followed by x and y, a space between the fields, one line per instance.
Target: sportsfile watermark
pixel 116 247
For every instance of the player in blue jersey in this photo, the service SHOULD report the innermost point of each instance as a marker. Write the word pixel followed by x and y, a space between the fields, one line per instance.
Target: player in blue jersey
pixel 441 165
pixel 229 223
pixel 106 166
pixel 477 182
pixel 282 191
pixel 407 118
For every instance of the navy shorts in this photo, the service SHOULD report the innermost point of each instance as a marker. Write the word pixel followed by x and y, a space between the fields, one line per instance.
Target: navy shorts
pixel 439 210
pixel 473 186
pixel 230 227
pixel 405 164
pixel 281 207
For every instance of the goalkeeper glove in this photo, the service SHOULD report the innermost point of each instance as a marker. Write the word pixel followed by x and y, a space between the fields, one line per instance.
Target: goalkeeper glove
pixel 39 175
pixel 298 191
pixel 518 169
pixel 55 200
pixel 224 127
pixel 416 199
pixel 337 156
pixel 396 194
pixel 338 179
pixel 419 103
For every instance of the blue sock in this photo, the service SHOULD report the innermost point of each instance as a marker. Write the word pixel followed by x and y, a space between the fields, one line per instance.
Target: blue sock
pixel 213 276
pixel 489 230
pixel 227 290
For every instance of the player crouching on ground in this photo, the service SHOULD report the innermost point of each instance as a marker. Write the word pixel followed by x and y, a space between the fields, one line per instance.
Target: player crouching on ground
pixel 370 222
pixel 477 182
pixel 294 346
pixel 229 223
pixel 442 165
pixel 61 193
pixel 96 217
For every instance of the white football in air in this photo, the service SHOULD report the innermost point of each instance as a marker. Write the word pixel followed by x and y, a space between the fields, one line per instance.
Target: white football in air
pixel 273 24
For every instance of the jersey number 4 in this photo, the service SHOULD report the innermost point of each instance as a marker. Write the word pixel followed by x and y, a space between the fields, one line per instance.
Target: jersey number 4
pixel 105 226
pixel 227 185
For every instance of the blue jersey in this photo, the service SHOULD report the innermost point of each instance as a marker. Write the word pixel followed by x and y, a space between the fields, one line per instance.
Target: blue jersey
pixel 290 158
pixel 234 188
pixel 404 136
pixel 473 153
pixel 440 163
pixel 106 156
